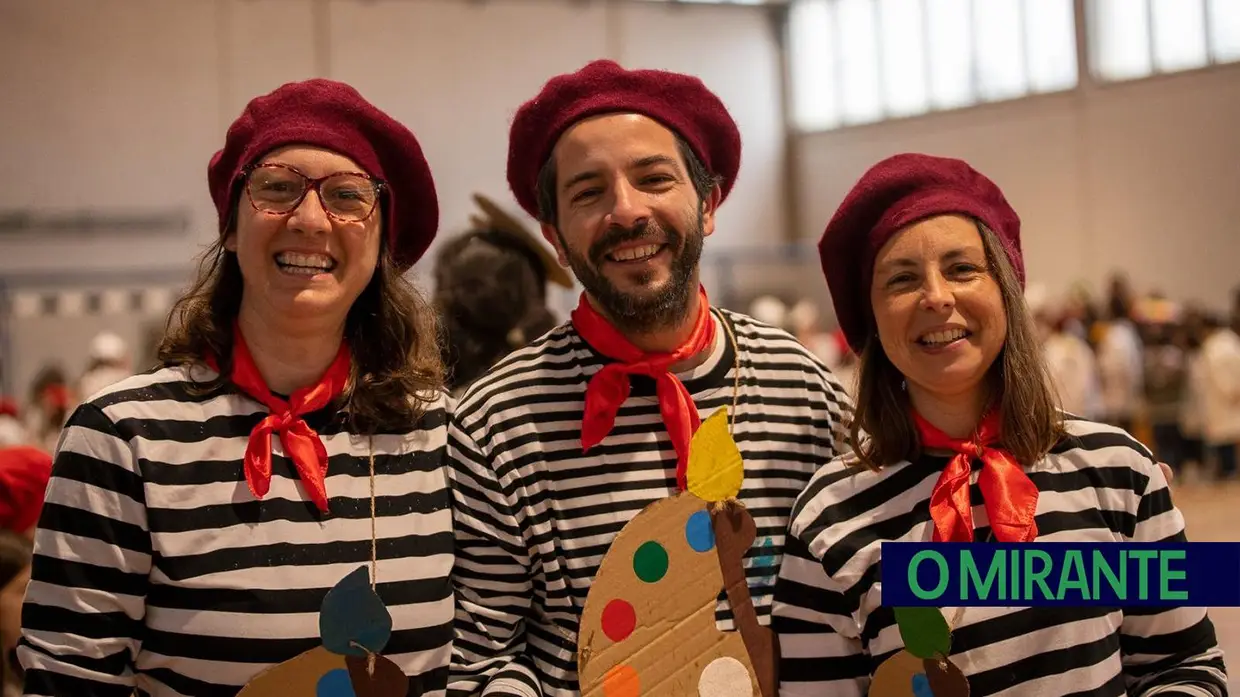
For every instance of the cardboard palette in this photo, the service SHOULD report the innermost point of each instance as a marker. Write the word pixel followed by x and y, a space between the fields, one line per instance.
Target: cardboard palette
pixel 354 627
pixel 922 668
pixel 648 626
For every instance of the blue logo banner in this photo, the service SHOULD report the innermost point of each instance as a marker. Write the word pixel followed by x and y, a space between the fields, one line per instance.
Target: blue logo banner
pixel 1068 574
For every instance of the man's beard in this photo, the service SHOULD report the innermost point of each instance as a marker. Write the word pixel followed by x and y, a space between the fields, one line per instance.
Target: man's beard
pixel 641 313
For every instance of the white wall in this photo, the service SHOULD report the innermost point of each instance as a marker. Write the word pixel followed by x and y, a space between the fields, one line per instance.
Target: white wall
pixel 118 104
pixel 1143 176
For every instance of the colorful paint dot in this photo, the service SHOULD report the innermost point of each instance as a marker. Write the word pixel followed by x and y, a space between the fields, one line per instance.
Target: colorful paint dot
pixel 921 686
pixel 650 562
pixel 335 683
pixel 699 533
pixel 619 619
pixel 621 681
pixel 725 677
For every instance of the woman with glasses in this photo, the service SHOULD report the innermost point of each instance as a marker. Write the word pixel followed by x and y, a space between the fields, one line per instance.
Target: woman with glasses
pixel 293 436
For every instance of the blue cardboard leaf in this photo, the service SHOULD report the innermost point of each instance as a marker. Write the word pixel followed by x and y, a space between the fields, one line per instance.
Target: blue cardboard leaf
pixel 352 613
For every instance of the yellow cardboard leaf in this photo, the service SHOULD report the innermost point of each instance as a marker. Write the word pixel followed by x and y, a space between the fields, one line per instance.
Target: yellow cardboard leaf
pixel 715 471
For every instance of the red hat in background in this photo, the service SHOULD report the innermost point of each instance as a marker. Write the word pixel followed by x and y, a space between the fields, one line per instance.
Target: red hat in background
pixel 24 472
pixel 892 195
pixel 682 103
pixel 335 116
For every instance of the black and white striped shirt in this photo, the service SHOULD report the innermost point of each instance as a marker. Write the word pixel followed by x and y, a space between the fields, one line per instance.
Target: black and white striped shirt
pixel 155 568
pixel 535 516
pixel 1097 485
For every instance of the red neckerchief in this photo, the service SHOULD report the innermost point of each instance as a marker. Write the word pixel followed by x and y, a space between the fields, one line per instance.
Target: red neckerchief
pixel 1011 498
pixel 610 386
pixel 301 443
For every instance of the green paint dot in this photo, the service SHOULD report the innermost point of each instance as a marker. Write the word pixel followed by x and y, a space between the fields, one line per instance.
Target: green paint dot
pixel 650 562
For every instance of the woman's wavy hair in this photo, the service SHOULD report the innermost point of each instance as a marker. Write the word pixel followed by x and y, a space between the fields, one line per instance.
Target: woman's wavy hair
pixel 391 330
pixel 882 431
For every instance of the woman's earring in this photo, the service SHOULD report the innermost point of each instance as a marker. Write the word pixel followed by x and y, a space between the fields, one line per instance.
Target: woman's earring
pixel 904 386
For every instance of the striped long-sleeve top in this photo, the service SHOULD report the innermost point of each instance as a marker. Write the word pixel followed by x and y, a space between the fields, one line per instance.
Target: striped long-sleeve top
pixel 1096 485
pixel 156 570
pixel 535 516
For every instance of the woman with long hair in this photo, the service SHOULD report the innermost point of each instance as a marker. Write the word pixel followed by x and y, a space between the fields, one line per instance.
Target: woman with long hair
pixel 293 435
pixel 925 268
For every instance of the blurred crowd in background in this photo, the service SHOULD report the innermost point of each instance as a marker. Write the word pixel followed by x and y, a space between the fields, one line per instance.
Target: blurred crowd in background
pixel 1166 371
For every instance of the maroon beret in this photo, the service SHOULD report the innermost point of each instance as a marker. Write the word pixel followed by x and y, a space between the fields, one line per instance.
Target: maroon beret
pixel 682 103
pixel 892 195
pixel 334 116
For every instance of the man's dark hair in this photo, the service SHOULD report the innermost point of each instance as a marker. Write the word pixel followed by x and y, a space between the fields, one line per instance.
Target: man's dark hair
pixel 703 182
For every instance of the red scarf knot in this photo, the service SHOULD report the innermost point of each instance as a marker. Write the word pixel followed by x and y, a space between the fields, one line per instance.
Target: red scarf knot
pixel 1011 498
pixel 609 387
pixel 301 443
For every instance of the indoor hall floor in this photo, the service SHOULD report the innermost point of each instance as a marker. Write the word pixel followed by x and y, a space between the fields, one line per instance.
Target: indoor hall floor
pixel 1211 515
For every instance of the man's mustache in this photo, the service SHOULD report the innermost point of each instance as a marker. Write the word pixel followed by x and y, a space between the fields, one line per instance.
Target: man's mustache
pixel 617 235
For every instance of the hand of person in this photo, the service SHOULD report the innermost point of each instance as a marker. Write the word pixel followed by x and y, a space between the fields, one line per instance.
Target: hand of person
pixel 1167 471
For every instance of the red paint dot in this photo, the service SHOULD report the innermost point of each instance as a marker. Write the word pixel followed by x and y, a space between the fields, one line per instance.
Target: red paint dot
pixel 619 619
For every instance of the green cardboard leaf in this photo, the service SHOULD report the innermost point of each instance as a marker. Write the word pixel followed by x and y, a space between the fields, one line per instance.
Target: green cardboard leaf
pixel 924 631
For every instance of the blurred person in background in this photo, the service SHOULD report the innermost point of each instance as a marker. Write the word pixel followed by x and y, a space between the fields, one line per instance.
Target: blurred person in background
pixel 15 552
pixel 1220 398
pixel 804 323
pixel 491 293
pixel 1079 315
pixel 1121 362
pixel 24 472
pixel 1166 379
pixel 924 263
pixel 293 432
pixel 50 403
pixel 770 310
pixel 1072 365
pixel 12 428
pixel 109 362
pixel 1188 336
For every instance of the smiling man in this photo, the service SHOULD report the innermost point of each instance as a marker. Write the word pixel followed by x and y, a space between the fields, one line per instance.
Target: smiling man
pixel 565 441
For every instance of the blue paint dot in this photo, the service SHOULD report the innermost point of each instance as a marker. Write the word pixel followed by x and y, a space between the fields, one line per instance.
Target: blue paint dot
pixel 921 686
pixel 699 533
pixel 335 683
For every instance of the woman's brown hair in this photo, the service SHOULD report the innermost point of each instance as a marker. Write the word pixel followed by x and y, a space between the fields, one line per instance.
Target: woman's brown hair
pixel 882 431
pixel 391 331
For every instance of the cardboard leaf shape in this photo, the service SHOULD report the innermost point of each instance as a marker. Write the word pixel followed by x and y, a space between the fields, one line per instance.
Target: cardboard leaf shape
pixel 924 631
pixel 353 618
pixel 715 471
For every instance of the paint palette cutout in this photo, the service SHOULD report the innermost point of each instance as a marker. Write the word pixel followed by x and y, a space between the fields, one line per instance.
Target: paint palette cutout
pixel 648 626
pixel 906 675
pixel 922 668
pixel 354 627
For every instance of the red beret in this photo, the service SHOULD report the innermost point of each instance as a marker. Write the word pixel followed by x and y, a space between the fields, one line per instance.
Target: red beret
pixel 24 472
pixel 682 103
pixel 334 116
pixel 892 195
